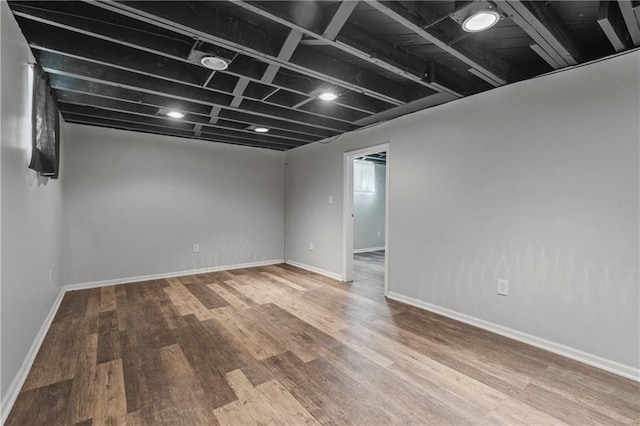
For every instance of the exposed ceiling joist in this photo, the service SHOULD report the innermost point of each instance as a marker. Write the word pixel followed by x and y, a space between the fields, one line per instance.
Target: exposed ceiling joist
pixel 119 106
pixel 145 128
pixel 631 20
pixel 544 54
pixel 217 27
pixel 125 37
pixel 126 117
pixel 129 64
pixel 468 52
pixel 612 24
pixel 286 51
pixel 69 89
pixel 545 29
pixel 411 69
pixel 79 69
pixel 339 18
pixel 52 39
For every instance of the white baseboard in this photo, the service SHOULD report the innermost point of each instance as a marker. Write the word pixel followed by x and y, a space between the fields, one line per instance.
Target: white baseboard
pixel 116 281
pixel 566 351
pixel 367 250
pixel 14 389
pixel 314 269
pixel 16 385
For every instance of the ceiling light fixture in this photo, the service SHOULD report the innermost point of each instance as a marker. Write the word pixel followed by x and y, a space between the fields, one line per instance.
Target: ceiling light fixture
pixel 480 20
pixel 215 63
pixel 175 114
pixel 261 129
pixel 328 96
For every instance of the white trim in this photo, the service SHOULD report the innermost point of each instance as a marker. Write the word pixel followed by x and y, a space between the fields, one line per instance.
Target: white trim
pixel 347 215
pixel 347 218
pixel 127 280
pixel 18 381
pixel 557 348
pixel 367 250
pixel 16 385
pixel 314 269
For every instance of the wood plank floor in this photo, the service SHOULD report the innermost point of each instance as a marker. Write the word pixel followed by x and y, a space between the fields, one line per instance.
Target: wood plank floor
pixel 279 345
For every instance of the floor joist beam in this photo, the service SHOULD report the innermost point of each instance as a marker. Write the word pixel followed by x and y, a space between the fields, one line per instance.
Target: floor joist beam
pixel 545 29
pixel 612 24
pixel 470 53
pixel 411 70
pixel 631 20
pixel 84 25
pixel 217 27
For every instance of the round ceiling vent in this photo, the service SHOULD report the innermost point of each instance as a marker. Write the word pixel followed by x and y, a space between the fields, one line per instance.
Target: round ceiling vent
pixel 215 63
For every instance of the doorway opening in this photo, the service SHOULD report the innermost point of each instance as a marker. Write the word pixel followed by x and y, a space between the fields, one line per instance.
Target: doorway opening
pixel 366 218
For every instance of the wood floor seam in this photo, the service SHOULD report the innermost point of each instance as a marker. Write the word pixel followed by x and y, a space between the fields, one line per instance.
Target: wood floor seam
pixel 278 344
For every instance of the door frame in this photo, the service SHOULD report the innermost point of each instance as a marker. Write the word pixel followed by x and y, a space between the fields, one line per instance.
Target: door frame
pixel 347 217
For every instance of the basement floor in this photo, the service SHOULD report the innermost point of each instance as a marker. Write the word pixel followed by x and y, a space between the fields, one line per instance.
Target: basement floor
pixel 280 345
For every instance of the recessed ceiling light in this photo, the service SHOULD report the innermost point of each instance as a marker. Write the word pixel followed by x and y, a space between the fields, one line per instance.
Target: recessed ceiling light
pixel 328 96
pixel 480 21
pixel 175 114
pixel 215 63
pixel 261 129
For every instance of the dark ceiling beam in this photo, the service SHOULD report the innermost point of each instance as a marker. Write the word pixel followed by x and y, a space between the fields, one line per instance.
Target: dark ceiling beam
pixel 469 52
pixel 223 134
pixel 141 70
pixel 113 33
pixel 77 68
pixel 68 87
pixel 55 40
pixel 287 49
pixel 339 18
pixel 553 61
pixel 70 43
pixel 117 106
pixel 201 20
pixel 631 20
pixel 308 86
pixel 95 27
pixel 137 127
pixel 385 55
pixel 545 28
pixel 612 24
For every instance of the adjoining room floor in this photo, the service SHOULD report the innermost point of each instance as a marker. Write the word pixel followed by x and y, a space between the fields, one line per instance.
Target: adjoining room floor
pixel 368 274
pixel 280 345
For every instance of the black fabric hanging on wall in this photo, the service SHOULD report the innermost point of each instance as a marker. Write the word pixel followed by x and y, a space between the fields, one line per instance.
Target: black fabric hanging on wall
pixel 45 154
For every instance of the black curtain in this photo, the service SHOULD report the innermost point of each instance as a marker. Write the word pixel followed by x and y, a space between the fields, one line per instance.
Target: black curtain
pixel 45 155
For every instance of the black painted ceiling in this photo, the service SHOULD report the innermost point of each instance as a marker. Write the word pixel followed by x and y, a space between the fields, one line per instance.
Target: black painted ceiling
pixel 123 64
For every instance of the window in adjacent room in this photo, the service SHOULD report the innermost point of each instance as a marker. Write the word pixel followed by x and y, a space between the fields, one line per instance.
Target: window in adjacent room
pixel 364 176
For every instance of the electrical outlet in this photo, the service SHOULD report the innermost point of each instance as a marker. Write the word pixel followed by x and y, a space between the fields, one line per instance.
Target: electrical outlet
pixel 503 287
pixel 379 233
pixel 311 246
pixel 196 247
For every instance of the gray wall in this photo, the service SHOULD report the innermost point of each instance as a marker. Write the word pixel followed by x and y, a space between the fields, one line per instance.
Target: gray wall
pixel 134 204
pixel 31 219
pixel 368 214
pixel 536 182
